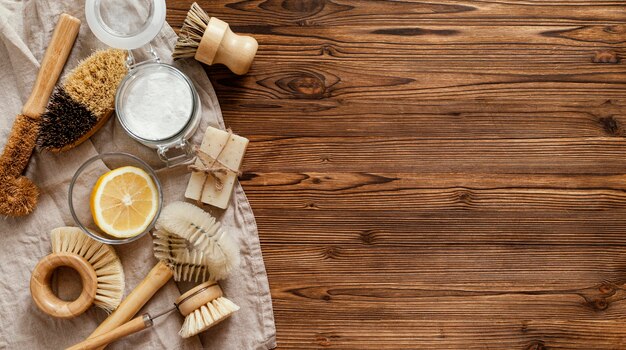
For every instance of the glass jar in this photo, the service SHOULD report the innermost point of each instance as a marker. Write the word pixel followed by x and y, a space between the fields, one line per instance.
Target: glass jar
pixel 156 103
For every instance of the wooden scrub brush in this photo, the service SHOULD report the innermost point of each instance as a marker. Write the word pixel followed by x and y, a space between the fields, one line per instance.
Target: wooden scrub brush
pixel 190 246
pixel 98 265
pixel 204 306
pixel 210 40
pixel 83 103
pixel 18 194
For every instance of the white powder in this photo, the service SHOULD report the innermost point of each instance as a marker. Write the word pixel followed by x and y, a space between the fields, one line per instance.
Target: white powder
pixel 158 105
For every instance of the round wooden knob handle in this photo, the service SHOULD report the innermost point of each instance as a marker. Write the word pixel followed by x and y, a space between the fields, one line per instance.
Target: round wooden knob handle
pixel 220 45
pixel 41 290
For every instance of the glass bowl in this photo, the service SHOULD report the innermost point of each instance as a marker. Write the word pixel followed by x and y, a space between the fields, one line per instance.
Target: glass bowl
pixel 85 179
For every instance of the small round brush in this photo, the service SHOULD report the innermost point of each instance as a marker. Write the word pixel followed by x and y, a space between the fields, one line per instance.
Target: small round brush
pixel 97 262
pixel 83 103
pixel 210 40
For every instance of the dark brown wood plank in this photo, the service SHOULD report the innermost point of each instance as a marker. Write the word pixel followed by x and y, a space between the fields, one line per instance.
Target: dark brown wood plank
pixel 441 174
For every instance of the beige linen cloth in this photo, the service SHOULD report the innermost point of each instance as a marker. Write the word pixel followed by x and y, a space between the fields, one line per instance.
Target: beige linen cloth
pixel 25 30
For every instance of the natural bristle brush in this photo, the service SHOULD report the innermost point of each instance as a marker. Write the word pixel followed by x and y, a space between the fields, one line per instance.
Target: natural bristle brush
pixel 18 194
pixel 97 264
pixel 194 244
pixel 191 246
pixel 83 103
pixel 210 40
pixel 204 306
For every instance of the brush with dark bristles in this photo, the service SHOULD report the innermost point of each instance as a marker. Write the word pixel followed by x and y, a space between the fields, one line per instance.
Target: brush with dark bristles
pixel 210 40
pixel 83 103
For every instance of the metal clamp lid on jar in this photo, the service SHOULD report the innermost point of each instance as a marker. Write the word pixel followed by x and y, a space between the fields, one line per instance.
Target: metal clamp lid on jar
pixel 119 24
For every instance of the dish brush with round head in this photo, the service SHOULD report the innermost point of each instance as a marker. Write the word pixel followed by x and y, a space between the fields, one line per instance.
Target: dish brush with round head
pixel 203 306
pixel 179 257
pixel 97 264
pixel 210 40
pixel 84 101
pixel 194 244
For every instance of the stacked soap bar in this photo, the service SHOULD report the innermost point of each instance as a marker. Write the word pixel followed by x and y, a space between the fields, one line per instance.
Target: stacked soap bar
pixel 228 149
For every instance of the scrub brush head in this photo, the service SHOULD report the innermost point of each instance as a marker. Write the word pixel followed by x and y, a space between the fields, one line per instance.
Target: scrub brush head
pixel 203 307
pixel 189 237
pixel 102 258
pixel 83 102
pixel 18 194
pixel 210 40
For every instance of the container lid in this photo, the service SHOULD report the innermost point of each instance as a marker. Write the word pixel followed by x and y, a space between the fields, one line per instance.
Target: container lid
pixel 122 24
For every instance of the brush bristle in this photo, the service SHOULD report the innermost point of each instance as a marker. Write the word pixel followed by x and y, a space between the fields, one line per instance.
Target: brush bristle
pixel 64 122
pixel 18 196
pixel 19 146
pixel 187 265
pixel 200 232
pixel 86 96
pixel 207 316
pixel 102 257
pixel 191 32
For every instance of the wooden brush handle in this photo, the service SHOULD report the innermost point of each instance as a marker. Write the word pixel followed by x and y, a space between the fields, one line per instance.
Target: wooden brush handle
pixel 133 326
pixel 220 45
pixel 156 278
pixel 53 61
pixel 41 290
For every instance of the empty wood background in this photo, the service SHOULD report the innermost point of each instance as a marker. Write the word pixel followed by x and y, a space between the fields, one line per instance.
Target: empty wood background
pixel 435 174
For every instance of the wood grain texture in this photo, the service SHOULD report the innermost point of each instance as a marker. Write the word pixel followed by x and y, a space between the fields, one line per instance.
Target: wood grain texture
pixel 445 174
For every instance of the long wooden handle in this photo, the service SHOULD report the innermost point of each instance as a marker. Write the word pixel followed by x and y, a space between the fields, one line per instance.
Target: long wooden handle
pixel 156 278
pixel 135 325
pixel 53 61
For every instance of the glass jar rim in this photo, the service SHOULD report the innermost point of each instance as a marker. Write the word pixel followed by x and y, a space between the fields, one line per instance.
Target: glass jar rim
pixel 120 99
pixel 132 40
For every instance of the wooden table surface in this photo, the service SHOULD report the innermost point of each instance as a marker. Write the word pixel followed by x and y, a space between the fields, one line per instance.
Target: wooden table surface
pixel 439 174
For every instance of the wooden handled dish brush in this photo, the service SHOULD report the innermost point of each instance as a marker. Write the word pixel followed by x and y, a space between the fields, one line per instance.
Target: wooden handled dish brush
pixel 84 101
pixel 191 246
pixel 97 264
pixel 203 307
pixel 210 40
pixel 18 194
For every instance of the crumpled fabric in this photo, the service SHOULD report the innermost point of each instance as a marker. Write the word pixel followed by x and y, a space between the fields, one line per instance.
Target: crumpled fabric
pixel 25 30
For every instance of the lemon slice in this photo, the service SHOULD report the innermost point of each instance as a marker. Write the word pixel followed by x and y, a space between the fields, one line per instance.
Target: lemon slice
pixel 124 201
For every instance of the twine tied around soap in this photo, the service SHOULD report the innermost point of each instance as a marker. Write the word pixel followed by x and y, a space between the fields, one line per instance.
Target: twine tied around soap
pixel 212 167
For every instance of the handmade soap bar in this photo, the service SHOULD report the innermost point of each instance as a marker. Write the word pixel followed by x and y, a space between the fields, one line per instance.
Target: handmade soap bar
pixel 228 149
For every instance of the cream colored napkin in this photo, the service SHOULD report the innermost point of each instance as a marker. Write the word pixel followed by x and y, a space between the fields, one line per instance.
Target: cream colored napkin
pixel 25 29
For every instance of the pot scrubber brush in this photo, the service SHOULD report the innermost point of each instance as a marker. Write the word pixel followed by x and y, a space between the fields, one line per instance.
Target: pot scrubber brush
pixel 98 265
pixel 210 40
pixel 84 101
pixel 204 306
pixel 18 194
pixel 178 258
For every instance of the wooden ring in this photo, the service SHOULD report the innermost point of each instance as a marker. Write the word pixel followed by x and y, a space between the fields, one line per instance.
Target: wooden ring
pixel 41 290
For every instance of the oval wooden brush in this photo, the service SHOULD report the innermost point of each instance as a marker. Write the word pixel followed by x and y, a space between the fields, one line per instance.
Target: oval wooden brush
pixel 83 103
pixel 18 194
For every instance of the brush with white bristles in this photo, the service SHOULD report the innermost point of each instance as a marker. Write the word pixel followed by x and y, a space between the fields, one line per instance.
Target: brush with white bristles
pixel 97 264
pixel 103 259
pixel 204 306
pixel 193 243
pixel 190 245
